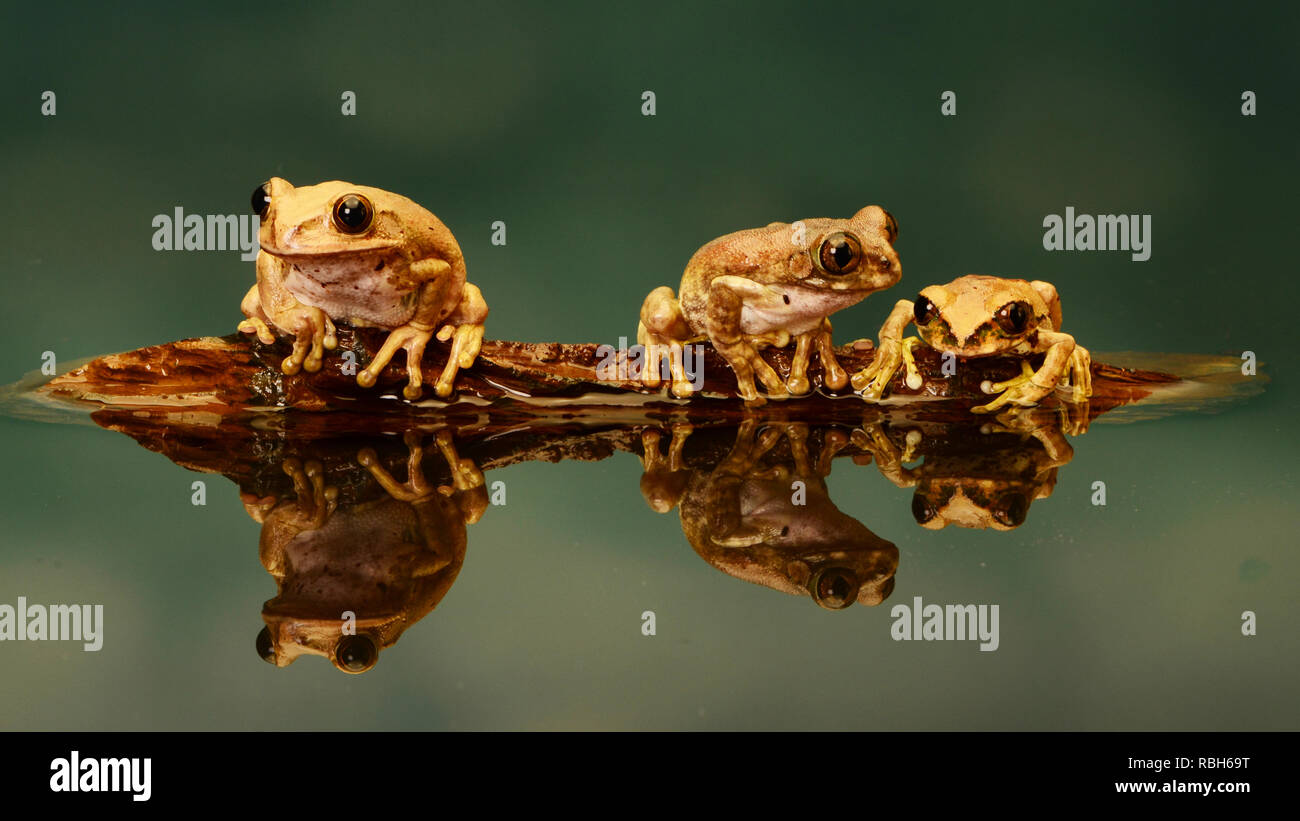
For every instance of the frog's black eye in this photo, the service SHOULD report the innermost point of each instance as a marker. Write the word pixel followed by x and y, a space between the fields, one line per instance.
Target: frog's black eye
pixel 352 214
pixel 922 510
pixel 838 254
pixel 834 588
pixel 1010 509
pixel 261 200
pixel 891 226
pixel 1013 318
pixel 355 654
pixel 265 647
pixel 923 311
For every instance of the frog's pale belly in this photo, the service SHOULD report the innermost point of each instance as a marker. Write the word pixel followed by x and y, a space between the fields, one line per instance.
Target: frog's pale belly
pixel 804 311
pixel 368 299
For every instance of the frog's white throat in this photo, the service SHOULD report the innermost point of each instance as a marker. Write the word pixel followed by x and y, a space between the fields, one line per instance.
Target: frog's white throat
pixel 794 309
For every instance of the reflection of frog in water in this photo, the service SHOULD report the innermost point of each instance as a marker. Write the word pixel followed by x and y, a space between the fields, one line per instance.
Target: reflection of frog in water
pixel 388 561
pixel 751 520
pixel 977 475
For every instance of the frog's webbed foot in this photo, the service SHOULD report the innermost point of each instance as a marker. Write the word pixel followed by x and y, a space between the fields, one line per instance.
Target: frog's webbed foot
pixel 412 338
pixel 315 500
pixel 747 364
pixel 313 332
pixel 1020 390
pixel 873 380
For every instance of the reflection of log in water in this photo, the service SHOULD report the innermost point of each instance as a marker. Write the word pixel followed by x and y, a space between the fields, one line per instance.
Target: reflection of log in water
pixel 236 373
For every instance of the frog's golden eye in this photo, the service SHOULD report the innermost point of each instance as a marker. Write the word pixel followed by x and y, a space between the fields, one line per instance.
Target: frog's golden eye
pixel 261 200
pixel 923 311
pixel 834 588
pixel 839 253
pixel 891 226
pixel 1013 318
pixel 355 654
pixel 266 647
pixel 352 214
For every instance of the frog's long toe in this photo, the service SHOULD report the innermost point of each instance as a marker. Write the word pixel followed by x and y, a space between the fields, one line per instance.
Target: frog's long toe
pixel 465 343
pixel 1020 390
pixel 410 337
pixel 253 325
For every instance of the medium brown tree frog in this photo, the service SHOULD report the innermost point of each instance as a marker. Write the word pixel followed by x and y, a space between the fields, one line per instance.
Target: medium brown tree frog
pixel 763 286
pixel 978 316
pixel 350 253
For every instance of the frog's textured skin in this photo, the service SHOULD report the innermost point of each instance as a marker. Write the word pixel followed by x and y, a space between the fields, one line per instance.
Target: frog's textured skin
pixel 764 286
pixel 351 253
pixel 978 316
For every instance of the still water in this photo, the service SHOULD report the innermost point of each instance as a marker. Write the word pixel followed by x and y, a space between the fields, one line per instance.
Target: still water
pixel 619 569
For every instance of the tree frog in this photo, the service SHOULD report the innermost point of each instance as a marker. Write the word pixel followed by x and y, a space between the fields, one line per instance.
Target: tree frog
pixel 762 286
pixel 343 252
pixel 977 316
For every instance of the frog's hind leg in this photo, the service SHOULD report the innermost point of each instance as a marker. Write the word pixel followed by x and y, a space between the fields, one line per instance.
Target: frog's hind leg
pixel 661 332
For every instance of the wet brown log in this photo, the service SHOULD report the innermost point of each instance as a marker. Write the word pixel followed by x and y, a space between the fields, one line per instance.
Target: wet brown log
pixel 235 373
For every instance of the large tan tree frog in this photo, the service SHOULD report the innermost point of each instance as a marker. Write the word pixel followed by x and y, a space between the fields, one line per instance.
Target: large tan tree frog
pixel 978 316
pixel 350 253
pixel 762 286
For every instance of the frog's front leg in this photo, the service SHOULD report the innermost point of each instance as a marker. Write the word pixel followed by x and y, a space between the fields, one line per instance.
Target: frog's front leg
pixel 1031 387
pixel 268 303
pixel 465 330
pixel 797 382
pixel 833 375
pixel 892 353
pixel 728 297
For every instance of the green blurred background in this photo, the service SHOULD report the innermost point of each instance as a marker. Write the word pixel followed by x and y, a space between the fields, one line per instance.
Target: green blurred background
pixel 1123 617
